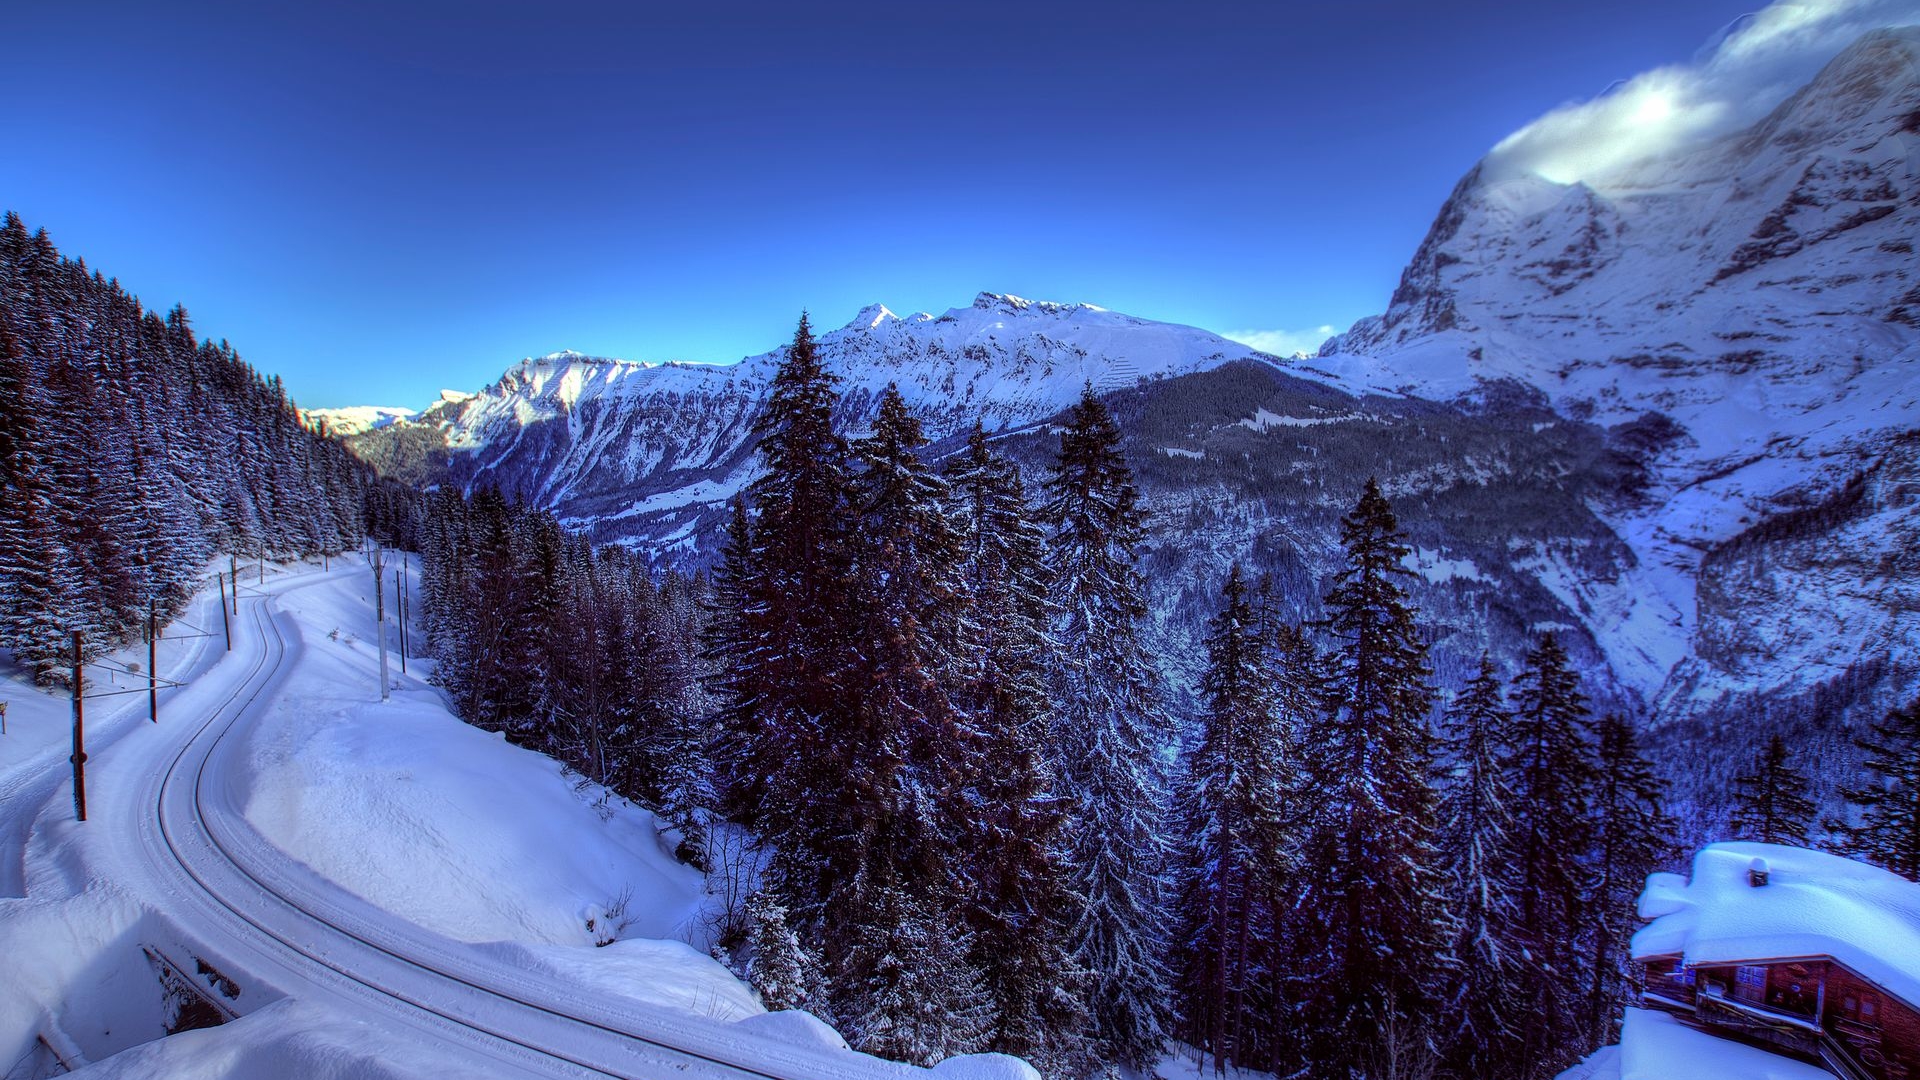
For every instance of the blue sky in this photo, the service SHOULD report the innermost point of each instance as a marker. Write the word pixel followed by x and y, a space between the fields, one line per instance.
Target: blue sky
pixel 380 200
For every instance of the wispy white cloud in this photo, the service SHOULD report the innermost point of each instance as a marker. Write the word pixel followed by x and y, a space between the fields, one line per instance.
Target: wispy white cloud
pixel 1747 69
pixel 1282 342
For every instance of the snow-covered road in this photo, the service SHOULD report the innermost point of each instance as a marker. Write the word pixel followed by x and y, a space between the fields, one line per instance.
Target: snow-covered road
pixel 172 815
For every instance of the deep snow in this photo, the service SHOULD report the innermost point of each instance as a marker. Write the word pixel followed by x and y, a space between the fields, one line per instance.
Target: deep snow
pixel 423 835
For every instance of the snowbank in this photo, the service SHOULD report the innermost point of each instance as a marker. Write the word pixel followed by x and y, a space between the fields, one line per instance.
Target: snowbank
pixel 1655 1046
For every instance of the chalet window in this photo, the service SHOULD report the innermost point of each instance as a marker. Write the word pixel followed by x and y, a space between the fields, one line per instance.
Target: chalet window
pixel 1750 982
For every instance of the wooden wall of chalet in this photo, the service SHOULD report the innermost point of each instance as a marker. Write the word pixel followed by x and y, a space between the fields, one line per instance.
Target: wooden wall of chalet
pixel 1881 1031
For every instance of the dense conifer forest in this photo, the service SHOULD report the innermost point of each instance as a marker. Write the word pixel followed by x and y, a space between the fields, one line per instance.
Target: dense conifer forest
pixel 132 452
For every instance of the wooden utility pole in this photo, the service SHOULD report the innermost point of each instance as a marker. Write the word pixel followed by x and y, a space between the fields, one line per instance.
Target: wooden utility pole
pixel 225 622
pixel 400 607
pixel 380 613
pixel 233 564
pixel 79 757
pixel 153 660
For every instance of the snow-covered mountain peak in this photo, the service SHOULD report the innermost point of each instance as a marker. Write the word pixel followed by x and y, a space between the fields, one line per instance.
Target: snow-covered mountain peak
pixel 1005 303
pixel 1607 292
pixel 354 419
pixel 871 317
pixel 1009 304
pixel 567 356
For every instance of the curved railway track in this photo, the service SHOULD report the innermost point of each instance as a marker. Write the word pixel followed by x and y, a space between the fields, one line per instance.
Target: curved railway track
pixel 325 936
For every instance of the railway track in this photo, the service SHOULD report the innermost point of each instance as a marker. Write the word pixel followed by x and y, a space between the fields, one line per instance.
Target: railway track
pixel 326 937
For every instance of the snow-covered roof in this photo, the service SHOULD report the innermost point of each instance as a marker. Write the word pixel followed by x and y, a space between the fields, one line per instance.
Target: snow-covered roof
pixel 1813 904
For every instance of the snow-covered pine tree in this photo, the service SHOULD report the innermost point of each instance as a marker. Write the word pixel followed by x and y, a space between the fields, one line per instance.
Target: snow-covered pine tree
pixel 1632 837
pixel 911 598
pixel 1478 1036
pixel 1233 820
pixel 500 660
pixel 36 584
pixel 1771 803
pixel 919 1000
pixel 680 742
pixel 1886 829
pixel 1016 896
pixel 728 641
pixel 906 759
pixel 1301 703
pixel 1108 733
pixel 783 973
pixel 1377 898
pixel 802 748
pixel 1551 773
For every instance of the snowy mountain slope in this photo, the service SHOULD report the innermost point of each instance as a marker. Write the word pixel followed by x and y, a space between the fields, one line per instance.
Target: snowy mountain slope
pixel 644 451
pixel 1755 304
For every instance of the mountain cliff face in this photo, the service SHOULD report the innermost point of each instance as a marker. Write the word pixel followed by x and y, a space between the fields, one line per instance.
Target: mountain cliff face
pixel 1755 303
pixel 1671 412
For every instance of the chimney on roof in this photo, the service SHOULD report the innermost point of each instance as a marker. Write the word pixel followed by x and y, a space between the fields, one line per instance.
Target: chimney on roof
pixel 1757 872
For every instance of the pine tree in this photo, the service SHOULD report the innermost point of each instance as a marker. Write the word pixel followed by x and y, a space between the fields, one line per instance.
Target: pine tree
pixel 783 974
pixel 909 987
pixel 1550 770
pixel 1232 820
pixel 730 652
pixel 1887 806
pixel 1108 731
pixel 1770 803
pixel 1476 837
pixel 1382 933
pixel 911 599
pixel 802 753
pixel 1016 893
pixel 907 757
pixel 1632 835
pixel 1302 701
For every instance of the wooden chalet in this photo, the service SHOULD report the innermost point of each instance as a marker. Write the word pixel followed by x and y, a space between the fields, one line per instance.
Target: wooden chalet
pixel 1806 954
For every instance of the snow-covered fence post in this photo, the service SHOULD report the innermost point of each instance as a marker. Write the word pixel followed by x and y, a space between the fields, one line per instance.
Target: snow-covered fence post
pixel 79 758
